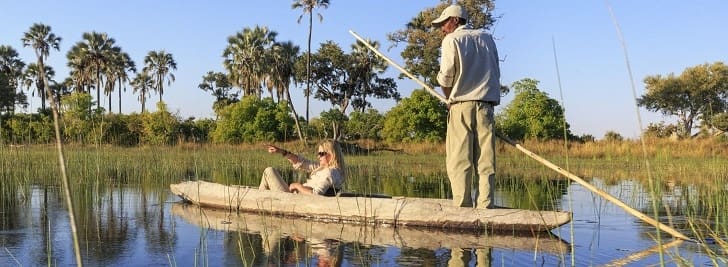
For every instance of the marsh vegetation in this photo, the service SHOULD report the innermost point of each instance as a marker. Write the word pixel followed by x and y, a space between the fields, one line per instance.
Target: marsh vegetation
pixel 120 190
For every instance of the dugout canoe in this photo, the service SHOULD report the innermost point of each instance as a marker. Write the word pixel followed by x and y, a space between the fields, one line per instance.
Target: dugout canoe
pixel 272 228
pixel 394 211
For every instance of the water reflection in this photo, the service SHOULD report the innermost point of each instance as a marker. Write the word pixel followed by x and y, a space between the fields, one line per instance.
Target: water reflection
pixel 470 257
pixel 111 224
pixel 11 217
pixel 326 242
pixel 637 256
pixel 144 225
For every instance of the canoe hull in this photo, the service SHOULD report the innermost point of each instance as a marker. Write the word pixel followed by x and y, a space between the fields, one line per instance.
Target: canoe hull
pixel 395 211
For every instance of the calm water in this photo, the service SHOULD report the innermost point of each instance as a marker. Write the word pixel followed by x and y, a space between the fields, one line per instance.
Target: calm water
pixel 141 227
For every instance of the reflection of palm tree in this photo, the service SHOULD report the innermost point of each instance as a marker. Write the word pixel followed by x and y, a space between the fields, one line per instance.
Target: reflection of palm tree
pixel 159 65
pixel 307 6
pixel 102 224
pixel 11 205
pixel 159 237
pixel 50 214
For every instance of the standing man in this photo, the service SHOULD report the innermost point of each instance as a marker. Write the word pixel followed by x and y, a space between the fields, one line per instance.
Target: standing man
pixel 470 78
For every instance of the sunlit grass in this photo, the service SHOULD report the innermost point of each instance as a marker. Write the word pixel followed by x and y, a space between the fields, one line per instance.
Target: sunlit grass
pixel 688 162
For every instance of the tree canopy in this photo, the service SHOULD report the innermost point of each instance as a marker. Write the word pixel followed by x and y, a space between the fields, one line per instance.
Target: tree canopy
pixel 422 51
pixel 698 93
pixel 159 65
pixel 219 86
pixel 367 125
pixel 720 121
pixel 348 79
pixel 253 119
pixel 532 114
pixel 11 71
pixel 420 117
pixel 7 94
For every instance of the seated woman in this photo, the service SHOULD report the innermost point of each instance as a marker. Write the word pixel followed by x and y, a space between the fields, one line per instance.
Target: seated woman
pixel 327 174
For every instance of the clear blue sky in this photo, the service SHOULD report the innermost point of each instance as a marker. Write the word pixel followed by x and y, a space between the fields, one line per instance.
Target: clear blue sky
pixel 662 37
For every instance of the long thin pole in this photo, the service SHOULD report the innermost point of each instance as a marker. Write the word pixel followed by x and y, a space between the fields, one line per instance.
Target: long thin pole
pixel 543 161
pixel 62 165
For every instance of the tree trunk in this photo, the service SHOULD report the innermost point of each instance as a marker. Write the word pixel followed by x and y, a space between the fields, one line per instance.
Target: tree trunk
pixel 42 89
pixel 98 89
pixel 160 87
pixel 144 99
pixel 295 118
pixel 308 64
pixel 120 84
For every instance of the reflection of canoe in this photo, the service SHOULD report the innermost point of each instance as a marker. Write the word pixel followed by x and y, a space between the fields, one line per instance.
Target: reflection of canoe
pixel 273 227
pixel 400 211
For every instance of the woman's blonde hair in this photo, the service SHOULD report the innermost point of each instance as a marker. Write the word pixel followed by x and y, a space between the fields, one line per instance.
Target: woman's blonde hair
pixel 337 157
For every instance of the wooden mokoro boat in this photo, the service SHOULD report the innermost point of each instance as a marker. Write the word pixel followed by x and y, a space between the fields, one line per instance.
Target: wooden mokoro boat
pixel 272 228
pixel 394 211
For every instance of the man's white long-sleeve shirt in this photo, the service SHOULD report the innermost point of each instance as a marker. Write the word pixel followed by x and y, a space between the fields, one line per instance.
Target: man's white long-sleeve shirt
pixel 469 64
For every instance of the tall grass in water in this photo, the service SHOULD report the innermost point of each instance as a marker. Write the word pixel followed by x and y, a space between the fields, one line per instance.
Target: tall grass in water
pixel 377 172
pixel 418 170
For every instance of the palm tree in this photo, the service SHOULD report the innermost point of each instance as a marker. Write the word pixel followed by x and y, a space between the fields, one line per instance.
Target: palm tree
pixel 11 65
pixel 12 68
pixel 158 64
pixel 58 90
pixel 128 66
pixel 40 37
pixel 116 73
pixel 96 52
pixel 307 6
pixel 80 73
pixel 246 57
pixel 142 83
pixel 33 76
pixel 283 57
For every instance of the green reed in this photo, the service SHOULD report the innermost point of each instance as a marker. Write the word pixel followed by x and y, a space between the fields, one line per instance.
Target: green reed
pixel 244 164
pixel 410 174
